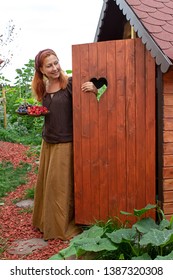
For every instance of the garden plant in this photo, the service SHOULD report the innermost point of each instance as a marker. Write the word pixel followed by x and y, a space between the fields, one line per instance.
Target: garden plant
pixel 20 129
pixel 146 239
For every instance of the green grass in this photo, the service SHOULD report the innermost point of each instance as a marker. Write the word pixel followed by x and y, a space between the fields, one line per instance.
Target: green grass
pixel 26 210
pixel 29 193
pixel 3 245
pixel 11 178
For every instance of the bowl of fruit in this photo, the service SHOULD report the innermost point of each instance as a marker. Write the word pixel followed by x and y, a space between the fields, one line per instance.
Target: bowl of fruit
pixel 36 111
pixel 23 109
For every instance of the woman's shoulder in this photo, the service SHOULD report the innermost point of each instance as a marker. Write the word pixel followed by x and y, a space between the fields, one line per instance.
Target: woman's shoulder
pixel 70 79
pixel 69 85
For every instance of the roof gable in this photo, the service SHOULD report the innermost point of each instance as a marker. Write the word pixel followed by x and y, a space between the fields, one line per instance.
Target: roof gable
pixel 152 21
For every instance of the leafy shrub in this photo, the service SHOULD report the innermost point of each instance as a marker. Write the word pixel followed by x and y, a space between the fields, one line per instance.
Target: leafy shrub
pixel 11 135
pixel 145 240
pixel 20 129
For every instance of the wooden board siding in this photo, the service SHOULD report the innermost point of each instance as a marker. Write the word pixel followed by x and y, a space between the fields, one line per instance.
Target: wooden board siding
pixel 168 143
pixel 114 139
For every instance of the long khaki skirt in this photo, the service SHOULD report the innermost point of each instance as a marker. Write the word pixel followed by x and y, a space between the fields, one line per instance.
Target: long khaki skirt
pixel 54 194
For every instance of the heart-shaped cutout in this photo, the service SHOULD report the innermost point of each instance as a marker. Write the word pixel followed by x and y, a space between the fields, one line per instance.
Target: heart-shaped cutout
pixel 101 84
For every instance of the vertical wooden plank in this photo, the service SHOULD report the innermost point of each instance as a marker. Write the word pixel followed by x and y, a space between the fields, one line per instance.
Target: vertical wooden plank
pixel 150 130
pixel 130 125
pixel 120 123
pixel 77 131
pixel 141 156
pixel 103 136
pixel 85 137
pixel 94 139
pixel 112 128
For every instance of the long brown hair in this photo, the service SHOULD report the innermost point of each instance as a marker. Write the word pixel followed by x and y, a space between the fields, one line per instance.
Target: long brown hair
pixel 38 82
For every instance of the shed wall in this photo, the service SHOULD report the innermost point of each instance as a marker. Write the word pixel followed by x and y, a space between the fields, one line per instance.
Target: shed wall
pixel 168 143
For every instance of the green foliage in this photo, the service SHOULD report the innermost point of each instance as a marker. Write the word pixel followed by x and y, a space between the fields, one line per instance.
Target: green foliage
pixel 11 177
pixel 34 151
pixel 21 129
pixel 3 245
pixel 145 240
pixel 14 135
pixel 26 210
pixel 101 91
pixel 69 72
pixel 29 193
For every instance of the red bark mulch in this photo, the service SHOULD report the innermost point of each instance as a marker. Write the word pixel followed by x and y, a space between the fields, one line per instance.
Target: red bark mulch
pixel 16 224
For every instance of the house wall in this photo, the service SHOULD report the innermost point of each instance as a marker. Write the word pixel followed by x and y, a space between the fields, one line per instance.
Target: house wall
pixel 168 143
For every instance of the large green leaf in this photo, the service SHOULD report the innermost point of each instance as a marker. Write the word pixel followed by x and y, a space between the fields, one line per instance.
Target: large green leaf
pixel 92 232
pixel 142 211
pixel 95 245
pixel 157 238
pixel 84 238
pixel 145 225
pixel 64 254
pixel 126 213
pixel 167 257
pixel 120 235
pixel 164 224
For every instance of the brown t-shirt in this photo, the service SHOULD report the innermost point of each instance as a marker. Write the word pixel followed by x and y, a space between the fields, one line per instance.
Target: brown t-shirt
pixel 58 125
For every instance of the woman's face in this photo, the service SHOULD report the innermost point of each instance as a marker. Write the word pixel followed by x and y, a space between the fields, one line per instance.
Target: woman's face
pixel 51 67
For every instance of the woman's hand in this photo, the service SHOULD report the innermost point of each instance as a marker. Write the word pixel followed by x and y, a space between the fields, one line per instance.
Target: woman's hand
pixel 89 86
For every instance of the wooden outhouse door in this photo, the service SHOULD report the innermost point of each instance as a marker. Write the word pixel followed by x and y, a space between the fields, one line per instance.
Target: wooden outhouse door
pixel 114 138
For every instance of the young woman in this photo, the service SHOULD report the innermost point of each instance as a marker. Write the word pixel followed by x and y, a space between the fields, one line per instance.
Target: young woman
pixel 54 195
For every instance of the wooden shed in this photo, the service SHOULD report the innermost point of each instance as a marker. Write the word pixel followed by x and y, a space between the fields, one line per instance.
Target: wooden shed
pixel 123 144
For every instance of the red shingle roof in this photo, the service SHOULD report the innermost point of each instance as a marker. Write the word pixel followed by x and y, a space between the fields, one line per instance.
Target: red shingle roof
pixel 151 19
pixel 157 17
